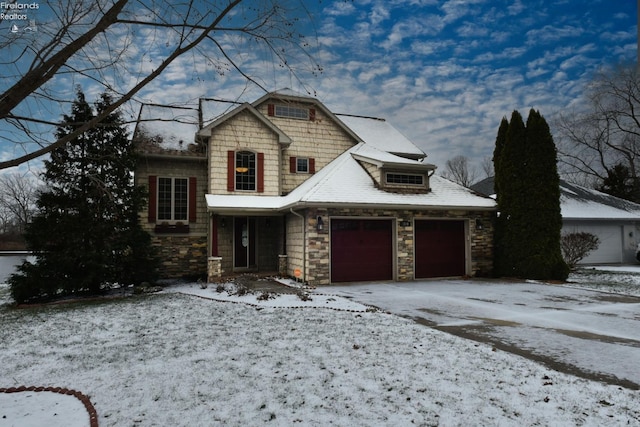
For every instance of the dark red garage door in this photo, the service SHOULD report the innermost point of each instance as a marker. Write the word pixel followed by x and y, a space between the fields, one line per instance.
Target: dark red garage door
pixel 361 250
pixel 440 248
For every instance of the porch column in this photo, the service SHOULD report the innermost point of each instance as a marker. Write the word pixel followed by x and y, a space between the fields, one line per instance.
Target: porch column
pixel 214 268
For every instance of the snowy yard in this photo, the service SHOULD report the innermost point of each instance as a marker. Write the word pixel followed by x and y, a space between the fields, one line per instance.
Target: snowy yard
pixel 178 359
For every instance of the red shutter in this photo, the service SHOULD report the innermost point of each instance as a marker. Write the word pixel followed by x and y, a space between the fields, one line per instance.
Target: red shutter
pixel 271 109
pixel 312 114
pixel 231 170
pixel 293 164
pixel 260 172
pixel 312 165
pixel 153 194
pixel 192 199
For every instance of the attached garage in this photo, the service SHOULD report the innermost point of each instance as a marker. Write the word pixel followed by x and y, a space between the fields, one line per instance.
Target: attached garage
pixel 361 250
pixel 440 248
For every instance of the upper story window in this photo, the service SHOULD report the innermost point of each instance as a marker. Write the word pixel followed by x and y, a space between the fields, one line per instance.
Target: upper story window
pixel 302 165
pixel 245 171
pixel 291 112
pixel 405 179
pixel 173 196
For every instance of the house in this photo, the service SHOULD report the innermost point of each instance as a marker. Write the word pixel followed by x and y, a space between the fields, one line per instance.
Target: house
pixel 616 222
pixel 285 185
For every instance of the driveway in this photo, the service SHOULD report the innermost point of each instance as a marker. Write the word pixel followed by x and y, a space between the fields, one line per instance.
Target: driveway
pixel 586 333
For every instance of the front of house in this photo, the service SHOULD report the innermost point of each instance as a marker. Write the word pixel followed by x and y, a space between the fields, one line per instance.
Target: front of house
pixel 284 185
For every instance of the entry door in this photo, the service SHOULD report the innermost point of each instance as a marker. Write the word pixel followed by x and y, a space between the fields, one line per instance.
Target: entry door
pixel 244 242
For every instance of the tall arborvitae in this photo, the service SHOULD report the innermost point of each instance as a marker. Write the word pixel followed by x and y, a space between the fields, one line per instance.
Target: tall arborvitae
pixel 498 236
pixel 528 194
pixel 86 234
pixel 542 216
pixel 510 186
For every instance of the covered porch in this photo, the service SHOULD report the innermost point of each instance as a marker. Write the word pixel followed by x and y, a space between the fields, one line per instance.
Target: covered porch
pixel 241 243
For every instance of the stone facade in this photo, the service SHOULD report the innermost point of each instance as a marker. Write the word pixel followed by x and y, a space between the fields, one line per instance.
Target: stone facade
pixel 181 246
pixel 316 243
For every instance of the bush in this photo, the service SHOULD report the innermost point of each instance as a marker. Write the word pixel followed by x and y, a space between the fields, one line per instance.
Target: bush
pixel 576 246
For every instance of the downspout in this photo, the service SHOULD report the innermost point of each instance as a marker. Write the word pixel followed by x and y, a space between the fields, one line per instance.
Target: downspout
pixel 304 244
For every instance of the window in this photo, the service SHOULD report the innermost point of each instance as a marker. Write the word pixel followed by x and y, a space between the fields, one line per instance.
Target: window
pixel 245 171
pixel 291 112
pixel 302 165
pixel 173 195
pixel 405 179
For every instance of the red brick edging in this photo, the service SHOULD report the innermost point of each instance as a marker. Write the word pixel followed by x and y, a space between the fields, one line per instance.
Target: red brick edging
pixel 93 415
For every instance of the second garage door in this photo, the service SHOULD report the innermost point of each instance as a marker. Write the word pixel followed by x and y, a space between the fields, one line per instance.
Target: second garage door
pixel 439 249
pixel 361 250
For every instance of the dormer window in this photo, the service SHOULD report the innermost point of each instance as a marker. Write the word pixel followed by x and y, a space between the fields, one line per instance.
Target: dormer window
pixel 398 181
pixel 405 179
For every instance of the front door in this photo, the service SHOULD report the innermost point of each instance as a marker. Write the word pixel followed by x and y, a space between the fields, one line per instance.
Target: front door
pixel 244 242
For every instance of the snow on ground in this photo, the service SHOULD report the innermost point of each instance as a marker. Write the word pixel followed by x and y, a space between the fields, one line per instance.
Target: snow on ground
pixel 178 359
pixel 620 279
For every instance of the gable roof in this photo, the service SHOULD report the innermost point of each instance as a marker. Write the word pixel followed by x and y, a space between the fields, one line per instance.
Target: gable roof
pixel 327 188
pixel 289 95
pixel 283 139
pixel 577 202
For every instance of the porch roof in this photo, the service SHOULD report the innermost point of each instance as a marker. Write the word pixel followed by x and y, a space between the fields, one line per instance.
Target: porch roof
pixel 344 183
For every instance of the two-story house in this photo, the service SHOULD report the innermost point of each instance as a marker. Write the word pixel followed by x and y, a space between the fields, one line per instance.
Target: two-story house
pixel 285 185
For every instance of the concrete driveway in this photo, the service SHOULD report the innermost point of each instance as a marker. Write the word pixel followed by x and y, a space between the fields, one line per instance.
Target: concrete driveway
pixel 586 333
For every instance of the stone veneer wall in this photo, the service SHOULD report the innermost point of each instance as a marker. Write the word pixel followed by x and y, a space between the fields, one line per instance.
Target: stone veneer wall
pixel 318 254
pixel 181 256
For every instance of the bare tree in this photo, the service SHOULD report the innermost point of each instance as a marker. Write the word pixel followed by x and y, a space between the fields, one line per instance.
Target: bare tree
pixel 606 133
pixel 458 170
pixel 18 194
pixel 487 167
pixel 121 46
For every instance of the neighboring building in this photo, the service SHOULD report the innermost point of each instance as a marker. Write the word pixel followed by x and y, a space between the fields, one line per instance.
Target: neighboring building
pixel 615 221
pixel 284 185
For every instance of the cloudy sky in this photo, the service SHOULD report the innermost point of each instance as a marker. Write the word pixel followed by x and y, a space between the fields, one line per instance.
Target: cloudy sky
pixel 443 72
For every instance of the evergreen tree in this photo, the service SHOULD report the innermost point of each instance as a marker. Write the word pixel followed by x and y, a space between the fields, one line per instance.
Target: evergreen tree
pixel 528 194
pixel 542 217
pixel 498 236
pixel 510 189
pixel 86 234
pixel 620 183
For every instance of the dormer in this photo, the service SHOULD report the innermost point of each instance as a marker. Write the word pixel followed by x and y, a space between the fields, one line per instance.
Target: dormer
pixel 393 173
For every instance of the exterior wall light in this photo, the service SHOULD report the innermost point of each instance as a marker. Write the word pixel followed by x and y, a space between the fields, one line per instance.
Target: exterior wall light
pixel 479 224
pixel 320 224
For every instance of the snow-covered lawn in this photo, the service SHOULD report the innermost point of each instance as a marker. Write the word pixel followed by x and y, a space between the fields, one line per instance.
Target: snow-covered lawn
pixel 184 360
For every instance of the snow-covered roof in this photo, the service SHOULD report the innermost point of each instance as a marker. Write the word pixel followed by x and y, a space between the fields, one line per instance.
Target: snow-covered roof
pixel 344 182
pixel 169 128
pixel 577 202
pixel 382 135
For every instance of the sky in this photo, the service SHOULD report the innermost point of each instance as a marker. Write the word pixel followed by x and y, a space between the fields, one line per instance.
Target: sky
pixel 444 73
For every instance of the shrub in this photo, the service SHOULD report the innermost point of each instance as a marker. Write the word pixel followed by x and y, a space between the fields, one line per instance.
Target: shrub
pixel 576 246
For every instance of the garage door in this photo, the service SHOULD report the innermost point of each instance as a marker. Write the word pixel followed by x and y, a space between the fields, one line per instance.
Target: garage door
pixel 439 249
pixel 361 250
pixel 610 247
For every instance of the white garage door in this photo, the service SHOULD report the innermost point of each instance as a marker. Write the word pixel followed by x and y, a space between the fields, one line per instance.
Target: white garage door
pixel 610 249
